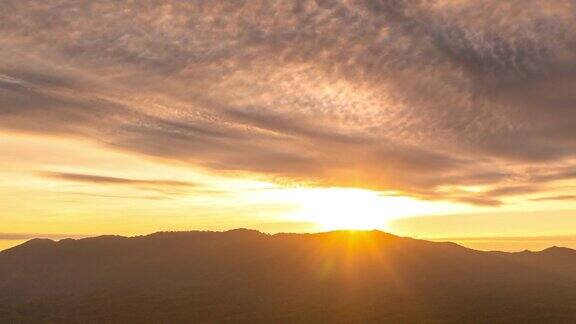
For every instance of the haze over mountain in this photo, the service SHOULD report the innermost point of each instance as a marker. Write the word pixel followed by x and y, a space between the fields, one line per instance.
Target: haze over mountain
pixel 247 276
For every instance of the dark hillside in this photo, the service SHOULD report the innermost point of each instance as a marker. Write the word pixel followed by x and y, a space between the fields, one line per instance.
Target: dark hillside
pixel 247 276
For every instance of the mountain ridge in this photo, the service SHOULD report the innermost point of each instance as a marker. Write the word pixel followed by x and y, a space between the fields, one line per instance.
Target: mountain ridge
pixel 248 276
pixel 49 241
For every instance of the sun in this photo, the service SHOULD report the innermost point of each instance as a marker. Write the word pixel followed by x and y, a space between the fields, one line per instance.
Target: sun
pixel 356 209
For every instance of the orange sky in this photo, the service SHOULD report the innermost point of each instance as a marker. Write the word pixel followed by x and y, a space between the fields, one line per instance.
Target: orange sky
pixel 43 193
pixel 437 119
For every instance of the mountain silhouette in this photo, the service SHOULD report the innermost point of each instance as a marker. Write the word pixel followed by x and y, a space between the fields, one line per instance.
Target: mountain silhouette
pixel 251 277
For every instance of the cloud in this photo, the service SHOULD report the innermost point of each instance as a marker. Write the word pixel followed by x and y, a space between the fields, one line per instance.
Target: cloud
pixel 425 98
pixel 89 178
pixel 513 190
pixel 157 197
pixel 556 198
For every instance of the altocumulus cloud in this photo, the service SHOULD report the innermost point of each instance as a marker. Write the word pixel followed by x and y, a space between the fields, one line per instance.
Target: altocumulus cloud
pixel 425 98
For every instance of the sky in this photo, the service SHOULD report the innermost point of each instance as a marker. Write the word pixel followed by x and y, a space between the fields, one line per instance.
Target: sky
pixel 435 119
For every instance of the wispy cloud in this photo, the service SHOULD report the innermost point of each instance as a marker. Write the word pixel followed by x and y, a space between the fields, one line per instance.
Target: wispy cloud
pixel 89 178
pixel 556 198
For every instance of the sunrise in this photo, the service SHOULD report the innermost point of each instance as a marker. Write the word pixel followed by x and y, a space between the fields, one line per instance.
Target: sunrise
pixel 299 161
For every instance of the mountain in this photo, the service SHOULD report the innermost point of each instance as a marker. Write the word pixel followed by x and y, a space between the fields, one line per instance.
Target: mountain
pixel 246 276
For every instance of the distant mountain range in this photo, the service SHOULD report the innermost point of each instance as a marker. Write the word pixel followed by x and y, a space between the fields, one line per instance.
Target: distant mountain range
pixel 249 277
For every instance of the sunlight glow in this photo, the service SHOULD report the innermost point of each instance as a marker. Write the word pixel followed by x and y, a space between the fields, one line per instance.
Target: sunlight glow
pixel 343 208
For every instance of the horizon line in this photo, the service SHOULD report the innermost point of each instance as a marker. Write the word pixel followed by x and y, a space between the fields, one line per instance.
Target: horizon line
pixel 58 236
